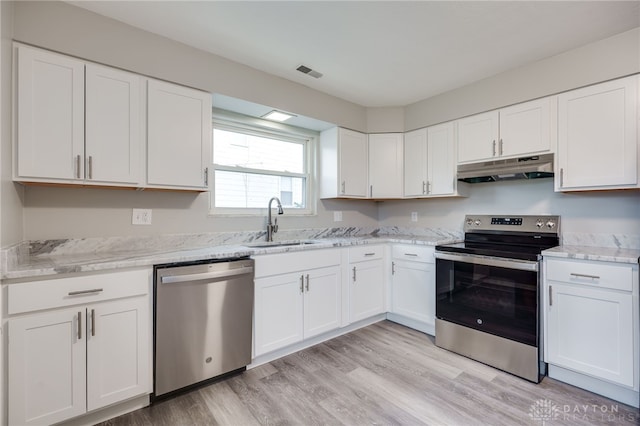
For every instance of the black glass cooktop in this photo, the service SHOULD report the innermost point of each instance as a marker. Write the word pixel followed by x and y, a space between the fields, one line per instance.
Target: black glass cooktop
pixel 520 246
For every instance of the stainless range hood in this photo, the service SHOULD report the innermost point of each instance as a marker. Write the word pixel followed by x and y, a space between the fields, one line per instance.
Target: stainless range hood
pixel 532 167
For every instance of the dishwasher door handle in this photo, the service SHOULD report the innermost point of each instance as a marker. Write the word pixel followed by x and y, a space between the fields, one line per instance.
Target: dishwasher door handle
pixel 170 279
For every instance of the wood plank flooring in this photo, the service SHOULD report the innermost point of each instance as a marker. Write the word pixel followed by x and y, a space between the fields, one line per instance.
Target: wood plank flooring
pixel 383 374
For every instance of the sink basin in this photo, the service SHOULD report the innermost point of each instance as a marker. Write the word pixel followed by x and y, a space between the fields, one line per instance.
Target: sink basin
pixel 266 244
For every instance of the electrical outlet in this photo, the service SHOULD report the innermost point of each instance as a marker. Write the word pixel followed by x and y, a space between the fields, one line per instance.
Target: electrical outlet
pixel 141 217
pixel 414 216
pixel 337 216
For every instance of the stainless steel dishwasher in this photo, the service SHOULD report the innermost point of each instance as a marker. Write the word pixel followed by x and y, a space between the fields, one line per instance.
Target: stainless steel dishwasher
pixel 203 318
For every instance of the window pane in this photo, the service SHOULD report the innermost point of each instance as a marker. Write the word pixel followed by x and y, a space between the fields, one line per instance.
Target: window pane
pixel 238 149
pixel 249 190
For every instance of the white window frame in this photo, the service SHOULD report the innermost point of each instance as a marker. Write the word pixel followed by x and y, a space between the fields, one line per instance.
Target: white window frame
pixel 225 120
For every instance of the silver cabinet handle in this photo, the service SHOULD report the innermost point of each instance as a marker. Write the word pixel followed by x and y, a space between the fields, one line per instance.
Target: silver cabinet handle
pixel 550 295
pixel 411 254
pixel 354 274
pixel 307 287
pixel 80 292
pixel 424 187
pixel 370 254
pixel 78 166
pixel 428 187
pixel 169 279
pixel 561 177
pixel 342 188
pixel 593 277
pixel 494 148
pixel 79 325
pixel 371 191
pixel 393 268
pixel 301 283
pixel 500 148
pixel 90 167
pixel 206 176
pixel 93 322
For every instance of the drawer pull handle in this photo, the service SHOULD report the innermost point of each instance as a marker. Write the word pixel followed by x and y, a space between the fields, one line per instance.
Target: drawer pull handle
pixel 369 254
pixel 78 293
pixel 593 277
pixel 307 286
pixel 393 268
pixel 411 254
pixel 354 274
pixel 550 295
pixel 93 322
pixel 79 325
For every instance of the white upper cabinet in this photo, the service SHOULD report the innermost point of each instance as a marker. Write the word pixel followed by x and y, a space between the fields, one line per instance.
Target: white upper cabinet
pixel 178 136
pixel 50 116
pixel 597 137
pixel 385 165
pixel 523 129
pixel 415 163
pixel 113 125
pixel 430 162
pixel 478 137
pixel 344 163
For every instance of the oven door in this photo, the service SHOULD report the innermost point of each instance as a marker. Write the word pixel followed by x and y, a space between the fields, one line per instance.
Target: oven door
pixel 493 295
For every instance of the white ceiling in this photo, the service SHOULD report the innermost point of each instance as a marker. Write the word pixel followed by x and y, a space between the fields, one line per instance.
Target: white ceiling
pixel 379 53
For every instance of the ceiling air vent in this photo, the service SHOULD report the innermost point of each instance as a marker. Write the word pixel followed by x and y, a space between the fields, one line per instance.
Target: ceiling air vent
pixel 306 70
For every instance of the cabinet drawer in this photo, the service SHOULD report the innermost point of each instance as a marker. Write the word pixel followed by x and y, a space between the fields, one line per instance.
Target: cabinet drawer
pixel 414 253
pixel 74 290
pixel 365 252
pixel 596 274
pixel 283 263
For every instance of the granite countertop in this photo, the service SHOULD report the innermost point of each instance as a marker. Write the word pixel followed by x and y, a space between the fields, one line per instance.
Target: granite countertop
pixel 26 263
pixel 603 254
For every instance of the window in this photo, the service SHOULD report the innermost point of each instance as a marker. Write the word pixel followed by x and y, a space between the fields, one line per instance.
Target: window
pixel 252 164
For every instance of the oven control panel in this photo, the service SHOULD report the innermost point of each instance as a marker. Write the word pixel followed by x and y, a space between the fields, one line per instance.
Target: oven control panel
pixel 524 223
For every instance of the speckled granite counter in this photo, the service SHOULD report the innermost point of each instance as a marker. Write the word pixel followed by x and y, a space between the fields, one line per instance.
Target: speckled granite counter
pixel 604 254
pixel 39 259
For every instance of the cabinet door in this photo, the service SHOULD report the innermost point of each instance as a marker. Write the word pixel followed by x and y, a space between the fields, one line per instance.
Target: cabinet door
pixel 353 167
pixel 597 136
pixel 441 159
pixel 415 163
pixel 366 297
pixel 47 367
pixel 413 293
pixel 591 331
pixel 117 351
pixel 278 312
pixel 322 301
pixel 525 128
pixel 112 125
pixel 478 137
pixel 385 165
pixel 50 115
pixel 178 136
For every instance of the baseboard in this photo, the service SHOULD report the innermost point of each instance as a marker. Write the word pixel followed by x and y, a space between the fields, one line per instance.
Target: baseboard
pixel 110 412
pixel 424 327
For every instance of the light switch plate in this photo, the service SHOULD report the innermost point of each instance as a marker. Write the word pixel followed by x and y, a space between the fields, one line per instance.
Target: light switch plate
pixel 141 217
pixel 414 216
pixel 337 216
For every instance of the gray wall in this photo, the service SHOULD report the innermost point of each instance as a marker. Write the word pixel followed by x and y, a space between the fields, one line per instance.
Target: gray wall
pixel 606 59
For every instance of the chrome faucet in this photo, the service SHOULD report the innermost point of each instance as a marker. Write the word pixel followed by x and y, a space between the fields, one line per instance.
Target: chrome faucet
pixel 272 228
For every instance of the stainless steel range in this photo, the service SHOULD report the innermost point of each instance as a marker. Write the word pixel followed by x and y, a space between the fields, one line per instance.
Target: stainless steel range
pixel 487 291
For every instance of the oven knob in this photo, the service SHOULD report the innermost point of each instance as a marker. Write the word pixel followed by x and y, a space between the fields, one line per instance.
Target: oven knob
pixel 539 223
pixel 551 224
pixel 477 222
pixel 469 222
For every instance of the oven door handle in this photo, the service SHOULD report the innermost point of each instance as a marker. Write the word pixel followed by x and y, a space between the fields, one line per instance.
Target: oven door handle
pixel 522 265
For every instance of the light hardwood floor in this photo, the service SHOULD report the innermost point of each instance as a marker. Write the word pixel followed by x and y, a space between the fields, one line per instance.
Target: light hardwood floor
pixel 382 374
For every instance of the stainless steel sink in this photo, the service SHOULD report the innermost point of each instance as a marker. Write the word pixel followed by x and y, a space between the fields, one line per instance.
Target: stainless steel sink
pixel 281 243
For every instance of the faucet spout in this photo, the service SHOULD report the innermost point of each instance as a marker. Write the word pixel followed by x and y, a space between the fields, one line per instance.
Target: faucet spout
pixel 272 227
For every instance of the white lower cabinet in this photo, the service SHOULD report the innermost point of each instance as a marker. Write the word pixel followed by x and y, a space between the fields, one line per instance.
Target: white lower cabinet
pixel 293 306
pixel 413 286
pixel 367 286
pixel 66 362
pixel 592 322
